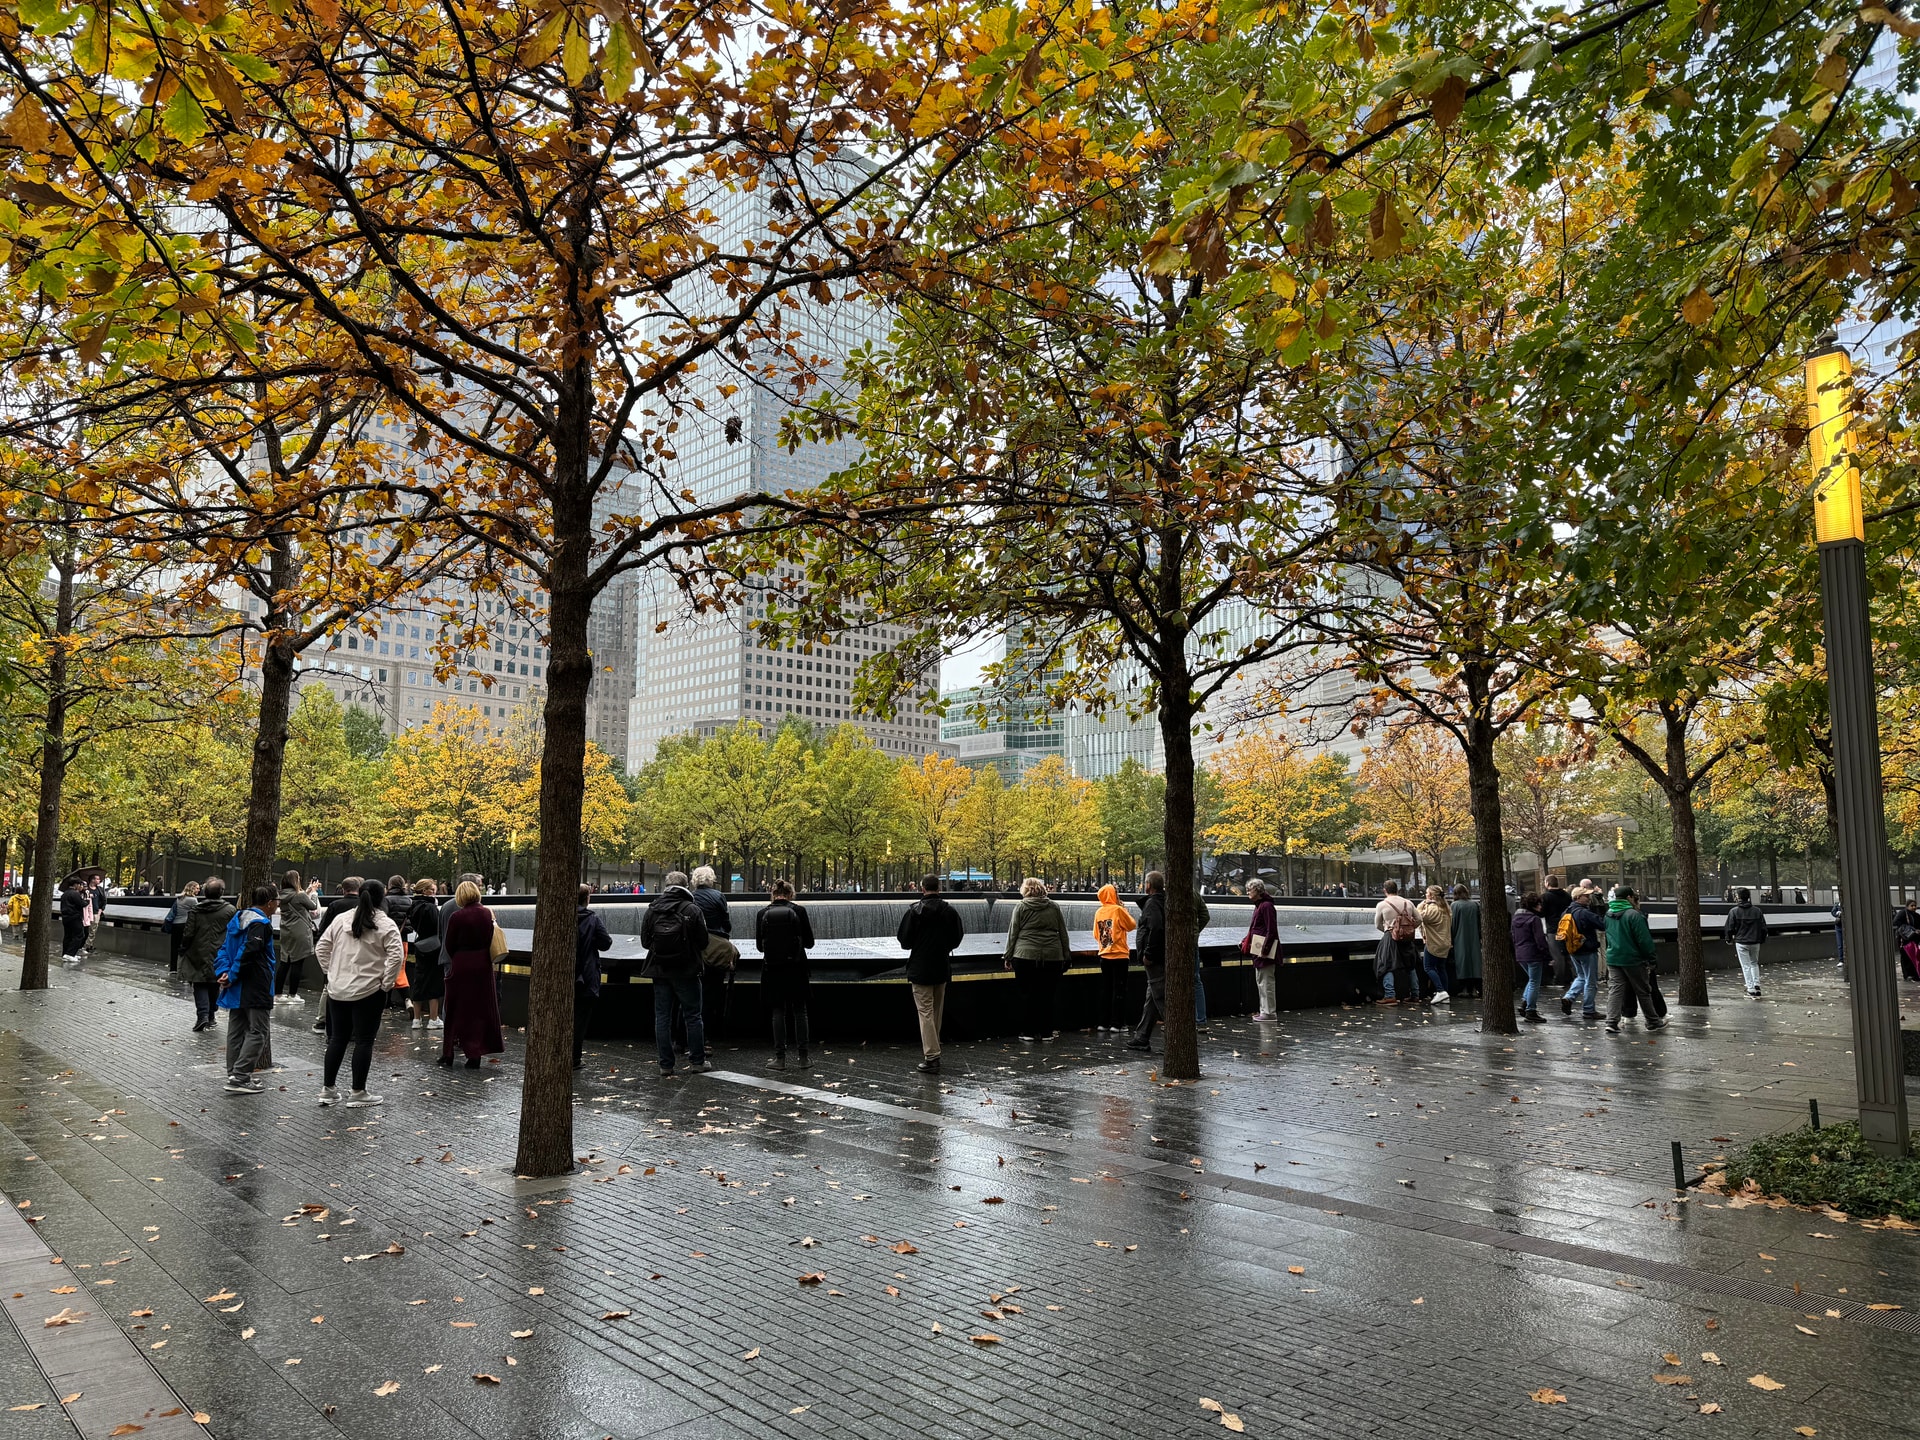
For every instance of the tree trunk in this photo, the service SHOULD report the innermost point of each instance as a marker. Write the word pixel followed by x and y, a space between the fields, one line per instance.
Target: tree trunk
pixel 546 1095
pixel 1496 934
pixel 53 779
pixel 1181 1060
pixel 269 761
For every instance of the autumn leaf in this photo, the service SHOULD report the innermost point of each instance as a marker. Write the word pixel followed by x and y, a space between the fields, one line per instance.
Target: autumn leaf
pixel 1546 1396
pixel 1764 1382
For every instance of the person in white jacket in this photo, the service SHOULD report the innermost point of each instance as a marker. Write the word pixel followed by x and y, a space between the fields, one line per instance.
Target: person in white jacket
pixel 361 953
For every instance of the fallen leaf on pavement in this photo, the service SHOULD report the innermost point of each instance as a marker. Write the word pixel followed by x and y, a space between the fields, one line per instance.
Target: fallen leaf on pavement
pixel 387 1389
pixel 1545 1395
pixel 1764 1382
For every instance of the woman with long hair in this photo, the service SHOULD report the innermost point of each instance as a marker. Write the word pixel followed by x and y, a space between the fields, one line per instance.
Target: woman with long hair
pixel 471 1004
pixel 361 954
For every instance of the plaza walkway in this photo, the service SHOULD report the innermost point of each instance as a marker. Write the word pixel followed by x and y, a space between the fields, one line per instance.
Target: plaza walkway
pixel 1361 1222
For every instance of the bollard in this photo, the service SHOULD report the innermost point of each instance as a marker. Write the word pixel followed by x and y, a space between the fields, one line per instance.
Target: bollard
pixel 1679 1169
pixel 1813 1111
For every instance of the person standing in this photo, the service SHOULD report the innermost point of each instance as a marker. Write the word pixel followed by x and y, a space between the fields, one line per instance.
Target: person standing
pixel 471 998
pixel 1630 958
pixel 200 939
pixel 341 904
pixel 244 971
pixel 425 979
pixel 1746 930
pixel 73 922
pixel 1583 926
pixel 1112 923
pixel 591 938
pixel 362 955
pixel 1153 955
pixel 1037 954
pixel 1463 919
pixel 177 921
pixel 1530 951
pixel 298 912
pixel 674 935
pixel 1262 945
pixel 930 932
pixel 1399 926
pixel 784 935
pixel 1436 942
pixel 1555 900
pixel 717 967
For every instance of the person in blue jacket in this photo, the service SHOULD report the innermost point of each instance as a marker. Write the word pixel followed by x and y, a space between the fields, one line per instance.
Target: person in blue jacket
pixel 243 969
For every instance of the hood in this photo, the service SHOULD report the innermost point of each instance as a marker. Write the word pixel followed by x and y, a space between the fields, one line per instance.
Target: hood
pixel 1109 895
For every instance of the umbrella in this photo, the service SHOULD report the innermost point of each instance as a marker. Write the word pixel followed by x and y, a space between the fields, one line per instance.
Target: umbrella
pixel 84 876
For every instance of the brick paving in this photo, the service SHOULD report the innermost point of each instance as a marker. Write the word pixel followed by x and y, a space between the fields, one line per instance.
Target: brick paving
pixel 1352 1226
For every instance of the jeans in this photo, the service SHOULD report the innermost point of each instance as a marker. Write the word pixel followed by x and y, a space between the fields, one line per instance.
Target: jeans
pixel 1437 970
pixel 1749 964
pixel 1112 995
pixel 204 995
pixel 685 989
pixel 357 1021
pixel 930 1003
pixel 1635 976
pixel 1536 982
pixel 1586 981
pixel 249 1042
pixel 1264 981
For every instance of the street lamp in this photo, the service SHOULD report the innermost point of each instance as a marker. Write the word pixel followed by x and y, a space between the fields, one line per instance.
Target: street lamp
pixel 1840 531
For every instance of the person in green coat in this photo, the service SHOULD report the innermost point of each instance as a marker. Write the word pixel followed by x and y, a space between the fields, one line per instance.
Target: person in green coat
pixel 1630 958
pixel 1037 954
pixel 1466 940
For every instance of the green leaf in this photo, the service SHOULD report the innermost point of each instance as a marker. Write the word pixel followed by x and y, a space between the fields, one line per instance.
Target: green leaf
pixel 184 119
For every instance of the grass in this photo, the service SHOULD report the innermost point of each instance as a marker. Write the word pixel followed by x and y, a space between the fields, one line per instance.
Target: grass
pixel 1831 1166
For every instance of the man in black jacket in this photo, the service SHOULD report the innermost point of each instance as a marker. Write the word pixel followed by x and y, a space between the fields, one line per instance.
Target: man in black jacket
pixel 674 935
pixel 1746 931
pixel 930 932
pixel 1150 944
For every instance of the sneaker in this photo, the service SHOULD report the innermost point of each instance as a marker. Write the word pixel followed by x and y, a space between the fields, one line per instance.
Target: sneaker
pixel 329 1095
pixel 1441 998
pixel 929 1067
pixel 436 1024
pixel 419 1022
pixel 699 1067
pixel 243 1085
pixel 359 1098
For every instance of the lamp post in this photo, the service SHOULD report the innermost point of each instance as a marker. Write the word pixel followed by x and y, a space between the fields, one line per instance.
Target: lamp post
pixel 1840 531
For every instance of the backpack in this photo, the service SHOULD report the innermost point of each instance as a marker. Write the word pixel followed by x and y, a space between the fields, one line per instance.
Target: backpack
pixel 1406 924
pixel 1568 934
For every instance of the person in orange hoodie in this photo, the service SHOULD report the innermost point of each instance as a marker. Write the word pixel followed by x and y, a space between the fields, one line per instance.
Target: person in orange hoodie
pixel 1112 923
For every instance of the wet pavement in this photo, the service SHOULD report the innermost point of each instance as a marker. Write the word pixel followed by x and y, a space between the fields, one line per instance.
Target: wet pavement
pixel 1365 1221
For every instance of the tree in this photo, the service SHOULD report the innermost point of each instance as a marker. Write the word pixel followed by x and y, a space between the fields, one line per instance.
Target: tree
pixel 930 794
pixel 1132 805
pixel 1542 791
pixel 853 787
pixel 1274 798
pixel 1414 792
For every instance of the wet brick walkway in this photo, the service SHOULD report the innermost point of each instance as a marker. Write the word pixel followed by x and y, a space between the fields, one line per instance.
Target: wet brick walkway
pixel 1361 1222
